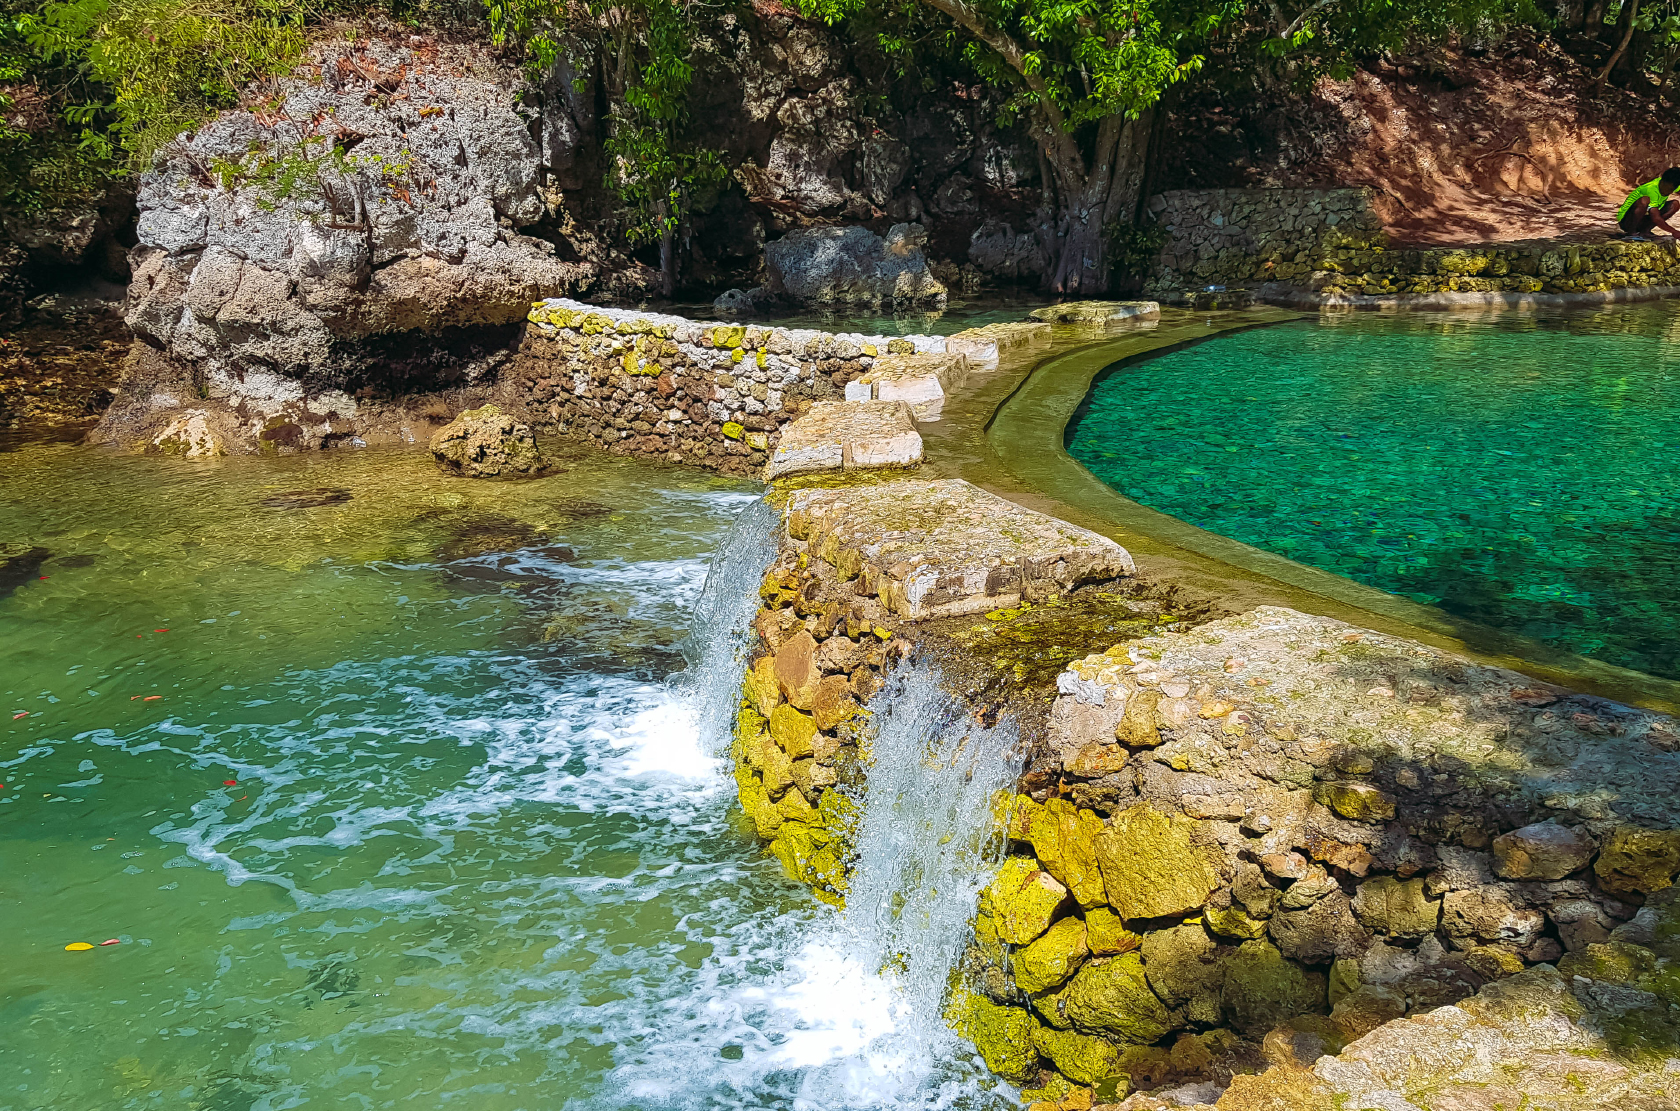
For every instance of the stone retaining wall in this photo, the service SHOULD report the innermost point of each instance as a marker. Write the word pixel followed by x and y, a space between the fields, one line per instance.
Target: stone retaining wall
pixel 1256 840
pixel 690 392
pixel 1226 236
pixel 1330 244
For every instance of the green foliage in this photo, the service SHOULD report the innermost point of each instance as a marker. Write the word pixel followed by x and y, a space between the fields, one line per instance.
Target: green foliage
pixel 42 162
pixel 1132 247
pixel 642 50
pixel 168 64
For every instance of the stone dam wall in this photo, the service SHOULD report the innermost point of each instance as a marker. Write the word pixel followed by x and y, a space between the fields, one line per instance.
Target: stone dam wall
pixel 1329 243
pixel 1257 860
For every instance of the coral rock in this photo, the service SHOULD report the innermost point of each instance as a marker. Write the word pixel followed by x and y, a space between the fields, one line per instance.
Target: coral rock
pixel 487 443
pixel 1543 851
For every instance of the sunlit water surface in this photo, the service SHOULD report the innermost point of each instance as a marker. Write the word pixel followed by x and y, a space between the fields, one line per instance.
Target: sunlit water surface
pixel 394 802
pixel 1517 471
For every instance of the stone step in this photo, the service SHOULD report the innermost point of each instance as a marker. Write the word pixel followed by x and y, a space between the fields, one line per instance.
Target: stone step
pixel 922 381
pixel 847 435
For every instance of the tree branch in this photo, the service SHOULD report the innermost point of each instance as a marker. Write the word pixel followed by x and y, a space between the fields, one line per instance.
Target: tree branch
pixel 1016 58
pixel 1300 20
pixel 1621 48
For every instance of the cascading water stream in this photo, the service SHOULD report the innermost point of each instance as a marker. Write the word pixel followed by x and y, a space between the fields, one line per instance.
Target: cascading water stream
pixel 718 631
pixel 925 842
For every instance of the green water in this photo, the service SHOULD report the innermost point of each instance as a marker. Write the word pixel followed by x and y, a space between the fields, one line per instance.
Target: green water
pixel 390 802
pixel 1515 471
pixel 958 314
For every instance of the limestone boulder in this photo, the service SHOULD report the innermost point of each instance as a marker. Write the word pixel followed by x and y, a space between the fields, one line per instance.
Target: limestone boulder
pixel 852 266
pixel 1490 913
pixel 797 671
pixel 1023 900
pixel 1325 930
pixel 944 547
pixel 1098 313
pixel 487 443
pixel 1047 962
pixel 1156 864
pixel 1543 851
pixel 1112 997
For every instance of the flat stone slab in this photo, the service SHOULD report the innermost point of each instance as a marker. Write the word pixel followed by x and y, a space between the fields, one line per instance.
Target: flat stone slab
pixel 922 381
pixel 1097 312
pixel 986 344
pixel 847 435
pixel 934 548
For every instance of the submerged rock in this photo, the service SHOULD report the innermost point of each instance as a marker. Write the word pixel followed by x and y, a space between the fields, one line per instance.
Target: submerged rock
pixel 1097 312
pixel 307 499
pixel 487 443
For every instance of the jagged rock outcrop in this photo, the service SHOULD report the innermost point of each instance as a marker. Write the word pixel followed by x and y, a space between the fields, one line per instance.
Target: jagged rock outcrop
pixel 382 198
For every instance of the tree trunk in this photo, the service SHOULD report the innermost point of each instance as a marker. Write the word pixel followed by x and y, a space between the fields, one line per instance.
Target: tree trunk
pixel 1593 25
pixel 1089 194
pixel 667 256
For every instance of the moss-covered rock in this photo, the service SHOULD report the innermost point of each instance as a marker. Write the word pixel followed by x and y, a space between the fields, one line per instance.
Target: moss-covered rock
pixel 1003 1035
pixel 1024 900
pixel 760 686
pixel 1063 838
pixel 1155 864
pixel 1050 960
pixel 1355 800
pixel 1112 997
pixel 792 731
pixel 1139 727
pixel 1079 1057
pixel 1233 922
pixel 1106 933
pixel 1638 860
pixel 1183 967
pixel 1263 988
pixel 1614 961
pixel 1396 907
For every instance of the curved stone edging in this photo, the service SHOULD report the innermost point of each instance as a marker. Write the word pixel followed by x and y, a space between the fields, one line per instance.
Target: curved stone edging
pixel 1024 435
pixel 1294 297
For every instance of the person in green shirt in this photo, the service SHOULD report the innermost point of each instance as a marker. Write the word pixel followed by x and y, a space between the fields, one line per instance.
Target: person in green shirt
pixel 1650 205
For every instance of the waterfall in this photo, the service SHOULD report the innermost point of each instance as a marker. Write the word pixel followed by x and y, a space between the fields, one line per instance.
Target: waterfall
pixel 925 843
pixel 721 626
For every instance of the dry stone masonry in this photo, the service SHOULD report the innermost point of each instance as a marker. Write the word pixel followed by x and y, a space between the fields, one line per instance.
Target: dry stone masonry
pixel 1327 246
pixel 1266 861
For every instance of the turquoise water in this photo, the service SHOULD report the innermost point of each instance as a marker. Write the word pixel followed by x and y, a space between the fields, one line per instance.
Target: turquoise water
pixel 397 792
pixel 1519 472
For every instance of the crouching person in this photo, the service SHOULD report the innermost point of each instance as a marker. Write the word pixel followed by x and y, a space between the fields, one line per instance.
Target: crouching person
pixel 1650 206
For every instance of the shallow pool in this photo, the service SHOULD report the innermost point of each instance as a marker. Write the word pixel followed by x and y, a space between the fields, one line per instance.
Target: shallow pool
pixel 1514 470
pixel 393 792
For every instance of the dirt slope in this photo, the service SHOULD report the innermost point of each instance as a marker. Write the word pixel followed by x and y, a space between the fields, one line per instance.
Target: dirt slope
pixel 1511 143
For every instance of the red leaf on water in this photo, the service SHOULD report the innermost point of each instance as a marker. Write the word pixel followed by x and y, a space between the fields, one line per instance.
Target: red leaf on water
pixel 151 698
pixel 230 783
pixel 113 941
pixel 24 714
pixel 160 630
